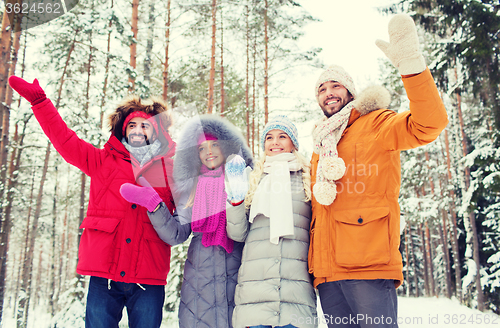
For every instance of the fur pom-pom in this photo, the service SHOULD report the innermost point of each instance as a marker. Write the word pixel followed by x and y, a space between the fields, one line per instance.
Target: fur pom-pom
pixel 325 192
pixel 333 168
pixel 372 98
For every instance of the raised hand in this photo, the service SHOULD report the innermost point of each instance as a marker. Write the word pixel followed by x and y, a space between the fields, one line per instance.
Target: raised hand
pixel 32 92
pixel 403 47
pixel 237 178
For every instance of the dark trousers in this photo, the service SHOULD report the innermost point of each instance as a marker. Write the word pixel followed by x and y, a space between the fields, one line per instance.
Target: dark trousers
pixel 359 303
pixel 105 304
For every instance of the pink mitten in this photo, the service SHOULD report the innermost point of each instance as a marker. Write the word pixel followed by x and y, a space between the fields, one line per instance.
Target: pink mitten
pixel 32 92
pixel 144 196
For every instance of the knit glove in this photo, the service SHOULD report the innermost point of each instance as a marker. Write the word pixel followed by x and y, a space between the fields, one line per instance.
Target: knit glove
pixel 237 179
pixel 403 47
pixel 32 92
pixel 143 195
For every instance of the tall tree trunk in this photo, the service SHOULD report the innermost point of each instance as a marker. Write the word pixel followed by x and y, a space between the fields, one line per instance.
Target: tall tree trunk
pixel 493 86
pixel 18 279
pixel 222 95
pixel 254 92
pixel 167 43
pixel 5 224
pixel 53 258
pixel 21 293
pixel 211 82
pixel 432 284
pixel 106 72
pixel 24 301
pixel 12 182
pixel 133 45
pixel 443 238
pixel 149 44
pixel 5 45
pixel 471 229
pixel 415 268
pixel 266 65
pixel 454 232
pixel 5 50
pixel 407 258
pixel 64 254
pixel 247 83
pixel 443 234
pixel 444 241
pixel 421 231
pixel 38 285
pixel 429 268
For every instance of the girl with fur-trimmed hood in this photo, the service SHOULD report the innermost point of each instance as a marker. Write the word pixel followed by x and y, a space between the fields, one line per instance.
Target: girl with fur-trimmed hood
pixel 202 194
pixel 119 247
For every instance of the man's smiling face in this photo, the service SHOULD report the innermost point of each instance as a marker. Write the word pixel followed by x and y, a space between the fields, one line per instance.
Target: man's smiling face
pixel 332 97
pixel 139 132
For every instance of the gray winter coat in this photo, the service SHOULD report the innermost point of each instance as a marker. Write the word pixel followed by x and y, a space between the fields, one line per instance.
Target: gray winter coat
pixel 210 273
pixel 274 286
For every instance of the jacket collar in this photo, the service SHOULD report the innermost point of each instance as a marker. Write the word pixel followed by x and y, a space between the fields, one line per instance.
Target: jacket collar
pixel 353 117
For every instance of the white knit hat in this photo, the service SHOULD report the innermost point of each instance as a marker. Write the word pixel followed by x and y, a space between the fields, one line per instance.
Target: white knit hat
pixel 338 74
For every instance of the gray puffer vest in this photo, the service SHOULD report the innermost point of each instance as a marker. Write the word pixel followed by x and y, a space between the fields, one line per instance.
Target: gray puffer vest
pixel 274 286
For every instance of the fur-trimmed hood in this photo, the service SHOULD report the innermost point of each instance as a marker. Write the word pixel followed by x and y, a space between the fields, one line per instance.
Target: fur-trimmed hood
pixel 372 98
pixel 187 161
pixel 154 106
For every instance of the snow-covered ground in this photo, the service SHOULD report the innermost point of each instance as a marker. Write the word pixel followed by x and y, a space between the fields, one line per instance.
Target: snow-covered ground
pixel 413 312
pixel 442 312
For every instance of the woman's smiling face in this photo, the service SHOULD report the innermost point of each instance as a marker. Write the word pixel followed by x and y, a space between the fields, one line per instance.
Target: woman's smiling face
pixel 210 154
pixel 277 142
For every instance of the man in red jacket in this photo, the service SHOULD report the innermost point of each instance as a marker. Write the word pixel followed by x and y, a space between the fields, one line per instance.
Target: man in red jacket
pixel 119 248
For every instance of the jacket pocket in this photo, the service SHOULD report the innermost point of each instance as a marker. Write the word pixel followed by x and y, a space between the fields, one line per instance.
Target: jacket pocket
pixel 98 244
pixel 154 259
pixel 362 237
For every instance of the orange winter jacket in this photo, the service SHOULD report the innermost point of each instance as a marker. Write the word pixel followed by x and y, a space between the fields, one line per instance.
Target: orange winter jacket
pixel 358 236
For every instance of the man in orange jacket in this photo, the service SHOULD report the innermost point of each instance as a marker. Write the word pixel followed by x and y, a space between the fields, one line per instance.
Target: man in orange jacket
pixel 355 230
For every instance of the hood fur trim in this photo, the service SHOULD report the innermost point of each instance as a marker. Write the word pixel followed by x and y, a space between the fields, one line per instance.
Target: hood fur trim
pixel 372 98
pixel 187 161
pixel 154 106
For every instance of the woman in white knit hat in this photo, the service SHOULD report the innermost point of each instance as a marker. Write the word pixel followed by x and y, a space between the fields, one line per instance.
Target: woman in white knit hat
pixel 274 287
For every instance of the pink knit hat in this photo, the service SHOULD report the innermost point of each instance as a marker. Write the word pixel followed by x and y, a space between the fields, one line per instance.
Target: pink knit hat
pixel 205 137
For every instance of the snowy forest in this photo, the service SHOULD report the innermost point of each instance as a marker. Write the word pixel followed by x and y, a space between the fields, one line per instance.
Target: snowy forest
pixel 232 58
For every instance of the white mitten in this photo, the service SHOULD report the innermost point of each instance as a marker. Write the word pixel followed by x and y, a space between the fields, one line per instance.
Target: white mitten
pixel 403 47
pixel 236 173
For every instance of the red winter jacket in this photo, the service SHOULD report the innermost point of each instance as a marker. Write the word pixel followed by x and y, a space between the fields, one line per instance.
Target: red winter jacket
pixel 118 241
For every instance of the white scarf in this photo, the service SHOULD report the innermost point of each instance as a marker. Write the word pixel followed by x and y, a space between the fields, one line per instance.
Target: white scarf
pixel 273 196
pixel 331 167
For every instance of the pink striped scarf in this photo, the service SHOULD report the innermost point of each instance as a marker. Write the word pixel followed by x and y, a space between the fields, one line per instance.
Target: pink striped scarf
pixel 209 209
